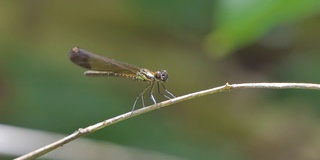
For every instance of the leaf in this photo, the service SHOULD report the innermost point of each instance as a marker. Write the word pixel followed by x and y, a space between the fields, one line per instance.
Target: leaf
pixel 241 23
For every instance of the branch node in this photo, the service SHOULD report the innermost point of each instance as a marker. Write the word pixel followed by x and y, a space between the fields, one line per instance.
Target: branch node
pixel 82 131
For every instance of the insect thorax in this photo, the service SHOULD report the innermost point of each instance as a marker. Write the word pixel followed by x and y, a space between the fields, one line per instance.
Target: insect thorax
pixel 145 75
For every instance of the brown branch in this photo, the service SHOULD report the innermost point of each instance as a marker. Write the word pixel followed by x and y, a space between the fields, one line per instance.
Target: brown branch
pixel 227 87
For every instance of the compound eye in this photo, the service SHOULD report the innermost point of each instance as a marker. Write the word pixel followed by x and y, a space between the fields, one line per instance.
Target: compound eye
pixel 164 75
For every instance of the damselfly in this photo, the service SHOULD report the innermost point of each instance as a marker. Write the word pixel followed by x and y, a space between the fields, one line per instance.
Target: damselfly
pixel 103 66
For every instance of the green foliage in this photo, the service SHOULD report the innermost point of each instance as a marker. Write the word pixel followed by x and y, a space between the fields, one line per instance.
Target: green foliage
pixel 241 23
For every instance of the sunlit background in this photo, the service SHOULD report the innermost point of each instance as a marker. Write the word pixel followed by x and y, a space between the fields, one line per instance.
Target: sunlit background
pixel 202 44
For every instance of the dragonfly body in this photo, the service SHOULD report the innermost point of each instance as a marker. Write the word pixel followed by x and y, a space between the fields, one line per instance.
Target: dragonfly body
pixel 103 66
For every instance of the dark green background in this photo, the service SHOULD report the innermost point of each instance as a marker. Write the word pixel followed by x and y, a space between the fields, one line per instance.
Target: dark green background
pixel 202 44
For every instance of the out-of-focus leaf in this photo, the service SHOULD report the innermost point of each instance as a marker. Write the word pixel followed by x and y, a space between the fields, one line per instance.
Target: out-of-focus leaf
pixel 239 23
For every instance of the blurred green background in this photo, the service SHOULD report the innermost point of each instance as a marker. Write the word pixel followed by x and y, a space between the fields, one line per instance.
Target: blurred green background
pixel 202 44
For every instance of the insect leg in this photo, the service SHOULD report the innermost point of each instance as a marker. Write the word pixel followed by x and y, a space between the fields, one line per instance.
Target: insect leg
pixel 134 104
pixel 141 95
pixel 151 94
pixel 165 89
pixel 160 91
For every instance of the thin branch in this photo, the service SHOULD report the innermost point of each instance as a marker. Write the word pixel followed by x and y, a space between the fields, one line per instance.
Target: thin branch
pixel 227 87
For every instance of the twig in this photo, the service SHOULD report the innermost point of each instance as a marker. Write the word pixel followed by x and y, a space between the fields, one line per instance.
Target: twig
pixel 227 87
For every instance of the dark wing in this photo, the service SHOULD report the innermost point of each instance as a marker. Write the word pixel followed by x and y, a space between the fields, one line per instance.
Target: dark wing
pixel 95 62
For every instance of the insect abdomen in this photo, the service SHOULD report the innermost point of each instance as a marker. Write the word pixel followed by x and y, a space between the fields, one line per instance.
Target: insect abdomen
pixel 101 73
